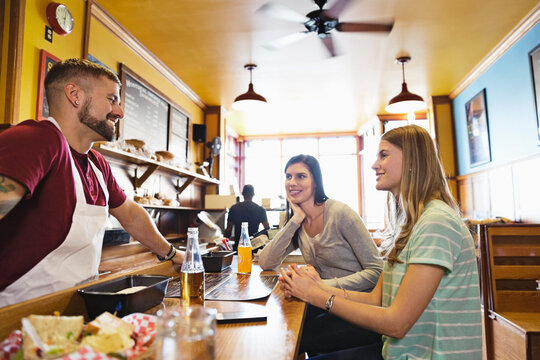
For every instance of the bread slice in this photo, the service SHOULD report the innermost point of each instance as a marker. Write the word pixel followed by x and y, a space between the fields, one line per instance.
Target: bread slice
pixel 108 321
pixel 60 333
pixel 109 334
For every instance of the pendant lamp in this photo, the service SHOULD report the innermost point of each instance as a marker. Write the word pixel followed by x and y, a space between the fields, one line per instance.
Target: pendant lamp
pixel 405 101
pixel 249 100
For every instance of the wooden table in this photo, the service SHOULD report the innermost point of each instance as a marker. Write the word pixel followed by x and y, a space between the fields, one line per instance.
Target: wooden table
pixel 277 338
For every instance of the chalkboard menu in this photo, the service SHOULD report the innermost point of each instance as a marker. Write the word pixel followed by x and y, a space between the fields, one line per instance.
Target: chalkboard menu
pixel 146 115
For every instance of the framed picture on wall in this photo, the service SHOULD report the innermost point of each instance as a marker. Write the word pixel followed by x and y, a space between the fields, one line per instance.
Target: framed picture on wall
pixel 534 57
pixel 478 130
pixel 46 62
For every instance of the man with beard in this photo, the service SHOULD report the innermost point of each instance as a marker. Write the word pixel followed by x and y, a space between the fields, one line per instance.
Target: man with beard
pixel 56 192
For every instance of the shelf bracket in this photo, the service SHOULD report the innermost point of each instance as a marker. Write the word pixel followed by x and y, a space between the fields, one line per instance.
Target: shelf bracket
pixel 184 185
pixel 138 181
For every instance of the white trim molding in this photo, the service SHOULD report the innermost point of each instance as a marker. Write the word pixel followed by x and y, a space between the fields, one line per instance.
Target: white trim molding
pixel 101 15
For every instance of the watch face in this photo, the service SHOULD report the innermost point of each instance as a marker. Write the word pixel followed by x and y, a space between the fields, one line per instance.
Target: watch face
pixel 64 18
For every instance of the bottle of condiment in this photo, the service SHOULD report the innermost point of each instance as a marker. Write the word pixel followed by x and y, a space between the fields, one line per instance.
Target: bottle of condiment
pixel 244 251
pixel 192 272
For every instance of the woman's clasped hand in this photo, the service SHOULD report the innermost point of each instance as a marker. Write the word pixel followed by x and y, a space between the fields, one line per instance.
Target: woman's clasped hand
pixel 304 278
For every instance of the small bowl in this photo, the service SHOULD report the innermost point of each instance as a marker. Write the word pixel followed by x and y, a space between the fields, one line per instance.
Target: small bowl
pixel 104 296
pixel 217 261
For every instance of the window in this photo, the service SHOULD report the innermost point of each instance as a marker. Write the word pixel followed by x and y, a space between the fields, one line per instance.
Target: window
pixel 265 162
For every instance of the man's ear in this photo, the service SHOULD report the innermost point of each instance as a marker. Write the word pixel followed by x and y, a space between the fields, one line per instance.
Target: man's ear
pixel 73 92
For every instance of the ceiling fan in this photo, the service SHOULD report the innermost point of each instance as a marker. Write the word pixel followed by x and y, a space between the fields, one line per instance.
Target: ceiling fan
pixel 321 21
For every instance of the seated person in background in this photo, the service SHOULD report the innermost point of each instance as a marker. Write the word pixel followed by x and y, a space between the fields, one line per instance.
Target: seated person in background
pixel 56 191
pixel 245 211
pixel 334 241
pixel 427 301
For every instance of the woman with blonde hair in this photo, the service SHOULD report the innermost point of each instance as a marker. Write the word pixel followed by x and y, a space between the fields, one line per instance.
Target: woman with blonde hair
pixel 426 302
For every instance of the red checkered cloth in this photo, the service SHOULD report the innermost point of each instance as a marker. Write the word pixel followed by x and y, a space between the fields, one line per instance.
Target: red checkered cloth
pixel 10 346
pixel 145 330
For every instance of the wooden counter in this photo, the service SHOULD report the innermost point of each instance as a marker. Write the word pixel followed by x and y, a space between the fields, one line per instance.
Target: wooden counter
pixel 276 338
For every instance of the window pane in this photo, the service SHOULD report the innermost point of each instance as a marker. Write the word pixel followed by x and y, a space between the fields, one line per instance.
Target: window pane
pixel 340 178
pixel 374 200
pixel 337 145
pixel 292 147
pixel 263 168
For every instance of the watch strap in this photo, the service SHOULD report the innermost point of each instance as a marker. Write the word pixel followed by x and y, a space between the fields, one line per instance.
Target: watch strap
pixel 169 256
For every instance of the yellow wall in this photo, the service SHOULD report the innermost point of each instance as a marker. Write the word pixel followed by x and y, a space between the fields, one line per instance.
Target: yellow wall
pixel 62 47
pixel 111 51
pixel 103 45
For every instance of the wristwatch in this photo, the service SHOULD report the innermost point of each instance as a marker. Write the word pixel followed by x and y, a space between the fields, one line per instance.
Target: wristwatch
pixel 329 303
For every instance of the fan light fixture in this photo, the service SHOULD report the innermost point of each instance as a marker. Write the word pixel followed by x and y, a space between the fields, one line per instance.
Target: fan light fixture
pixel 405 101
pixel 249 100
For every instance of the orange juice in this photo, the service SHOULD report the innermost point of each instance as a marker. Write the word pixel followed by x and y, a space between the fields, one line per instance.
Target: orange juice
pixel 244 259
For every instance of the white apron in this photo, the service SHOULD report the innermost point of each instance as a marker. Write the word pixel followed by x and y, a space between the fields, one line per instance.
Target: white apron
pixel 76 259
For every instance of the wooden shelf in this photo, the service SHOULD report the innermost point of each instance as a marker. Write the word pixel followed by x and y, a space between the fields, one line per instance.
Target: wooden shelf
pixel 165 207
pixel 153 165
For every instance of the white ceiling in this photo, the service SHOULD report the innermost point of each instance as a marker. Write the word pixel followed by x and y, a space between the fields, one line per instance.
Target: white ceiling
pixel 208 42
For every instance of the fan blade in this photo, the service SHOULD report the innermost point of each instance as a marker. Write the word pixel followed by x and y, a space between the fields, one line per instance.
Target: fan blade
pixel 335 10
pixel 364 27
pixel 281 12
pixel 285 40
pixel 329 44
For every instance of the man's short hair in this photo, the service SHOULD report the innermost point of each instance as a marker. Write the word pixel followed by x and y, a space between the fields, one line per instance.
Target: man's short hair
pixel 73 69
pixel 248 191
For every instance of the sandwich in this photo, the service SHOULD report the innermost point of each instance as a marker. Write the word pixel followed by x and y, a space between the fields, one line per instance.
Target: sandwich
pixel 108 334
pixel 61 333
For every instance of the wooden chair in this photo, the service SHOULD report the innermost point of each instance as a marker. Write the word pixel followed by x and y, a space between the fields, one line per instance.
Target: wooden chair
pixel 509 268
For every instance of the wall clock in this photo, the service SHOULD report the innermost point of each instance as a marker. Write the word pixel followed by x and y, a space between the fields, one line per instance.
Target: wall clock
pixel 59 18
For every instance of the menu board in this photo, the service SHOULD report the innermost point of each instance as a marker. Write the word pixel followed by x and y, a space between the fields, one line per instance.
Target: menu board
pixel 146 115
pixel 179 141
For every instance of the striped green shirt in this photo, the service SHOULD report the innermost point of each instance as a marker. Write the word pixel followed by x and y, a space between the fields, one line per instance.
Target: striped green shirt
pixel 450 327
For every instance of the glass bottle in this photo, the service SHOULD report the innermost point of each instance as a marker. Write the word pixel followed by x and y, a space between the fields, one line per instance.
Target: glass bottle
pixel 244 251
pixel 192 272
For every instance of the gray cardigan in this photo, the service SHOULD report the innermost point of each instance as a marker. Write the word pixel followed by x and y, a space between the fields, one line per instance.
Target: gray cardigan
pixel 343 253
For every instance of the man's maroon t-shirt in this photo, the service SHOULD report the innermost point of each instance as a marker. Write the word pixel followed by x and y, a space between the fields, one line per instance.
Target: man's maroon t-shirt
pixel 36 155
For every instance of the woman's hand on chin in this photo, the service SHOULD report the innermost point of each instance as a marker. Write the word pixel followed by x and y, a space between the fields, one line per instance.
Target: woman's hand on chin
pixel 299 214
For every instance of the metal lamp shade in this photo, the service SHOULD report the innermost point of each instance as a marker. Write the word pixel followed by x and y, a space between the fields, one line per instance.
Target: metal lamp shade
pixel 248 100
pixel 405 102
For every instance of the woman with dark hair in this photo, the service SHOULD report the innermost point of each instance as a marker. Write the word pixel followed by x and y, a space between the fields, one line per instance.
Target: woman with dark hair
pixel 337 246
pixel 426 302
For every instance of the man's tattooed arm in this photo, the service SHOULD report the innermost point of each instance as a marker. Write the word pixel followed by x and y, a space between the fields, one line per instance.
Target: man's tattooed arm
pixel 11 192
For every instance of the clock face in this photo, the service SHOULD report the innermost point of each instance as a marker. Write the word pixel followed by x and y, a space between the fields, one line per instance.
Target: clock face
pixel 59 18
pixel 64 18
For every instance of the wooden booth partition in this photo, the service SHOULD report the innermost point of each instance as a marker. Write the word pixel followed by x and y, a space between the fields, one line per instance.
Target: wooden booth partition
pixel 509 272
